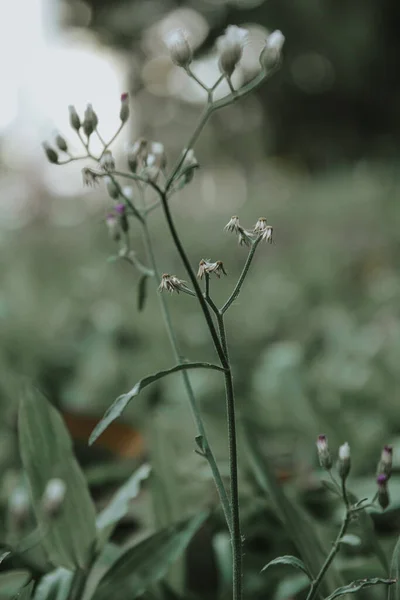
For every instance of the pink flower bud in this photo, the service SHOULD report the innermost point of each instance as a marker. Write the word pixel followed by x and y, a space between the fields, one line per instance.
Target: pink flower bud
pixel 324 455
pixel 383 492
pixel 386 461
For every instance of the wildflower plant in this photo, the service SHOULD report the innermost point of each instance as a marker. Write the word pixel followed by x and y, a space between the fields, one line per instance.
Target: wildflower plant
pixel 147 170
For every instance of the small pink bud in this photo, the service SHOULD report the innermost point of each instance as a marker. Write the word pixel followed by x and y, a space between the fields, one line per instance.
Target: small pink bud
pixel 383 492
pixel 324 455
pixel 386 461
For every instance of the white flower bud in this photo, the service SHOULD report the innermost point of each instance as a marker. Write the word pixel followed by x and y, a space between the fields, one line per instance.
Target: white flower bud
pixel 19 506
pixel 53 497
pixel 107 162
pixel 124 110
pixel 271 53
pixel 61 143
pixel 90 120
pixel 344 461
pixel 230 48
pixel 74 119
pixel 179 48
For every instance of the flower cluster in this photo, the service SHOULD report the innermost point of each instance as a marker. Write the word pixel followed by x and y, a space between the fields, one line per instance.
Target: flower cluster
pixel 260 230
pixel 171 283
pixel 147 159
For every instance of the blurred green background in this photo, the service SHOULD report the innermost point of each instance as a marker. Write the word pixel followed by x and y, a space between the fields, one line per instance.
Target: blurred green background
pixel 315 334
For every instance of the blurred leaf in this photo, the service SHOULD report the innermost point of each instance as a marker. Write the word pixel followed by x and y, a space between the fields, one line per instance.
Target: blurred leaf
pixel 117 407
pixel 350 539
pixel 329 485
pixel 12 581
pixel 297 524
pixel 356 586
pixel 293 561
pixel 366 524
pixel 394 590
pixel 142 292
pixel 146 563
pixel 291 586
pixel 55 585
pixel 46 452
pixel 26 592
pixel 119 504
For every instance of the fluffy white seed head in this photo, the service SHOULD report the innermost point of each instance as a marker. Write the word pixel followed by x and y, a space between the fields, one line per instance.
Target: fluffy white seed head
pixel 179 48
pixel 230 48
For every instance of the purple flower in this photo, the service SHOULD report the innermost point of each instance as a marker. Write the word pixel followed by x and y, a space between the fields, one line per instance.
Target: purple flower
pixel 120 208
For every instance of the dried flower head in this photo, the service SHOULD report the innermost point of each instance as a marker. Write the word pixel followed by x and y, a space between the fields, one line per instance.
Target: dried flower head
pixel 233 225
pixel 137 155
pixel 206 266
pixel 170 283
pixel 90 176
pixel 124 110
pixel 272 51
pixel 53 497
pixel 51 154
pixel 179 48
pixel 260 226
pixel 74 119
pixel 325 459
pixel 267 235
pixel 230 48
pixel 107 162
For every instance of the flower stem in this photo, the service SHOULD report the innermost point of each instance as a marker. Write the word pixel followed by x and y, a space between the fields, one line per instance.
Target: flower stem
pixel 335 549
pixel 242 277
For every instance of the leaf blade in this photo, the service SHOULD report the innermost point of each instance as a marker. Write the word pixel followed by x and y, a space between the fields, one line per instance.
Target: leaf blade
pixel 119 405
pixel 142 292
pixel 394 590
pixel 293 561
pixel 46 452
pixel 358 585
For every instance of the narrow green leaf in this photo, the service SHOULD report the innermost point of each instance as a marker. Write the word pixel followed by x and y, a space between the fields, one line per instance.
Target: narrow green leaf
pixel 26 592
pixel 293 561
pixel 296 522
pixel 119 405
pixel 146 563
pixel 142 292
pixel 356 586
pixel 119 505
pixel 46 452
pixel 12 581
pixel 394 590
pixel 55 585
pixel 366 525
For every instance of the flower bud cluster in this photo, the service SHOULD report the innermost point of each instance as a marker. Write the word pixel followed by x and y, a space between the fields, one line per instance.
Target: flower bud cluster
pixel 147 159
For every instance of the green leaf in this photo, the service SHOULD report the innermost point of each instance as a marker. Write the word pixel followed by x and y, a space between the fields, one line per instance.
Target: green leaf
pixel 366 525
pixel 291 586
pixel 142 292
pixel 119 505
pixel 293 561
pixel 298 525
pixel 356 586
pixel 12 581
pixel 26 592
pixel 46 452
pixel 119 405
pixel 394 590
pixel 146 563
pixel 55 585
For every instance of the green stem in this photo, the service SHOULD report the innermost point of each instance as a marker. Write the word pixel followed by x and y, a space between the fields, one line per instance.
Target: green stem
pixel 236 537
pixel 193 279
pixel 208 454
pixel 335 549
pixel 210 301
pixel 242 277
pixel 77 585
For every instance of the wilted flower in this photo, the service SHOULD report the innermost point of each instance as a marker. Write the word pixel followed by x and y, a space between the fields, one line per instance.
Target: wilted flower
pixel 271 53
pixel 206 266
pixel 61 143
pixel 233 225
pixel 325 459
pixel 385 463
pixel 383 492
pixel 107 162
pixel 230 48
pixel 113 226
pixel 90 176
pixel 53 497
pixel 51 154
pixel 267 235
pixel 179 48
pixel 170 283
pixel 90 120
pixel 124 110
pixel 137 155
pixel 260 226
pixel 74 119
pixel 344 461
